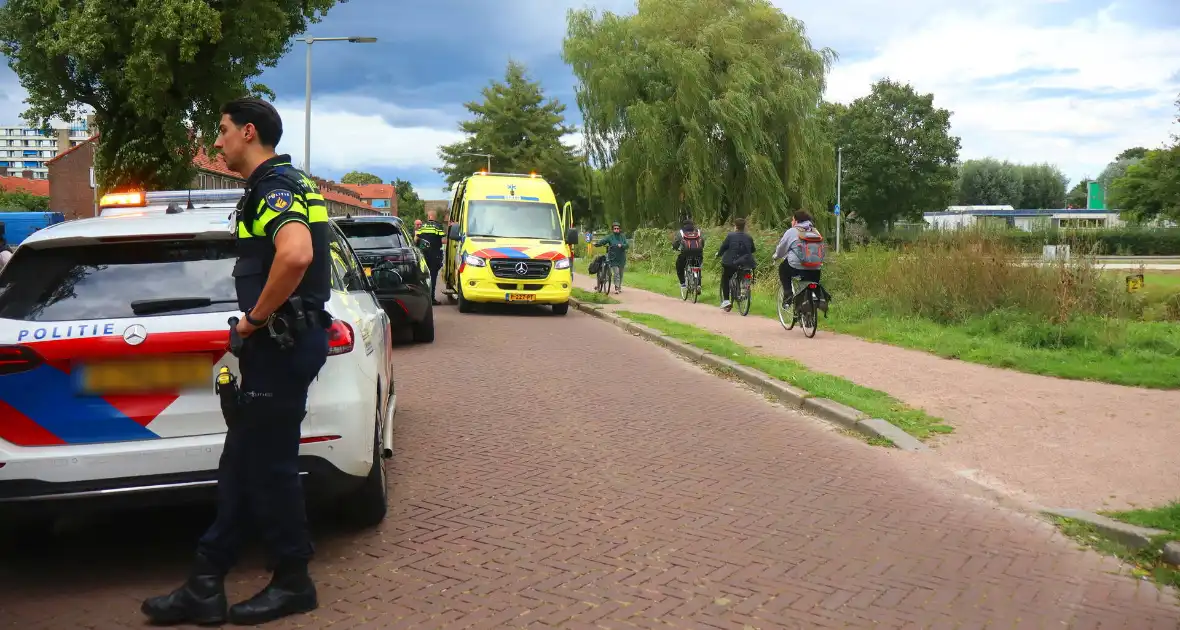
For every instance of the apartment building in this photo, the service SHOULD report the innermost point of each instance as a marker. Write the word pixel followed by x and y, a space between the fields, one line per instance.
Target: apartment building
pixel 25 152
pixel 380 196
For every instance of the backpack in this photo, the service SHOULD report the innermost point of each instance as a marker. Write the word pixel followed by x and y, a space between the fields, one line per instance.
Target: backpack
pixel 693 242
pixel 596 264
pixel 812 248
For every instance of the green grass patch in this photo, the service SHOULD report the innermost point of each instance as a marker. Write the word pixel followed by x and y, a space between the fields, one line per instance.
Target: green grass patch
pixel 1145 562
pixel 1090 348
pixel 593 297
pixel 870 401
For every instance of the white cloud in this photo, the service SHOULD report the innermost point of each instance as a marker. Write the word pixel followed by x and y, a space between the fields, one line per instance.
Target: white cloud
pixel 353 134
pixel 982 64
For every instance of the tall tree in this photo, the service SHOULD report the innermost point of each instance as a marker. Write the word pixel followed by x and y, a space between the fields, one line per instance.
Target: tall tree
pixel 990 182
pixel 1137 153
pixel 1151 188
pixel 360 178
pixel 521 130
pixel 711 101
pixel 1077 196
pixel 1043 186
pixel 1115 170
pixel 900 157
pixel 409 205
pixel 153 72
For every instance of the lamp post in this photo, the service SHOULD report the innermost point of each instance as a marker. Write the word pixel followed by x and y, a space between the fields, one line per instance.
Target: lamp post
pixel 307 105
pixel 839 173
pixel 482 155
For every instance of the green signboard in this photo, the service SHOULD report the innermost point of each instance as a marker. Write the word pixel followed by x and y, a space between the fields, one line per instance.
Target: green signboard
pixel 1095 198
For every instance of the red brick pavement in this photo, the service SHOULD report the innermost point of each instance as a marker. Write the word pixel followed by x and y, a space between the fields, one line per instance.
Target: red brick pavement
pixel 576 477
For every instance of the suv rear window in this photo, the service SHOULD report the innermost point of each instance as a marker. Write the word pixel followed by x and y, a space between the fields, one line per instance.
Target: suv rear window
pixel 373 235
pixel 101 281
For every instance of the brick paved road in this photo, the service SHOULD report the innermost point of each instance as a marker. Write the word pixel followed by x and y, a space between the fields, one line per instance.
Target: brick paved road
pixel 545 494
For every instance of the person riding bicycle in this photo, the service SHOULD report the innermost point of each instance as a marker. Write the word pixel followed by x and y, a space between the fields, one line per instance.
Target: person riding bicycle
pixel 616 253
pixel 690 242
pixel 801 251
pixel 736 252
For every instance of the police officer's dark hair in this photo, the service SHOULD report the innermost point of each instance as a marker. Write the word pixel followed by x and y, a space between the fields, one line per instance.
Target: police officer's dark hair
pixel 802 215
pixel 261 114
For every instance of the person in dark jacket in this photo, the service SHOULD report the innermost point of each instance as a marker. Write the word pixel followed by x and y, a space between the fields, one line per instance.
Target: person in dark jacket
pixel 736 252
pixel 616 253
pixel 690 242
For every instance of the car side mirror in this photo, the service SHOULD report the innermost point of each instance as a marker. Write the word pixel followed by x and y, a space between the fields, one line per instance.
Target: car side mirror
pixel 571 236
pixel 453 232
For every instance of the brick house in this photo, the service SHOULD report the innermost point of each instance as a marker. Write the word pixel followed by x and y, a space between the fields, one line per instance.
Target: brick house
pixel 380 196
pixel 70 192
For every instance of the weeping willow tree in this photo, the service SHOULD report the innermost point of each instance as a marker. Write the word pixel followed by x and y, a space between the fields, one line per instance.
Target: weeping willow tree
pixel 703 107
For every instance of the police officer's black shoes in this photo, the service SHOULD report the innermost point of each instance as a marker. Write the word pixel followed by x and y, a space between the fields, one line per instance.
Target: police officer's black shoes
pixel 200 600
pixel 290 592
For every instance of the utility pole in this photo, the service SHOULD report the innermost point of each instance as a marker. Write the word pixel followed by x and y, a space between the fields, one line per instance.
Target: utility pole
pixel 839 174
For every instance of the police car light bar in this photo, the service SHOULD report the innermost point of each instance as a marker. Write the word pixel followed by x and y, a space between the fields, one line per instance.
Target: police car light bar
pixel 532 175
pixel 207 197
pixel 123 200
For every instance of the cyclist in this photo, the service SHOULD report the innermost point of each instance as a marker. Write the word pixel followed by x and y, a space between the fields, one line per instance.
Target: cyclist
pixel 736 252
pixel 801 251
pixel 616 253
pixel 690 242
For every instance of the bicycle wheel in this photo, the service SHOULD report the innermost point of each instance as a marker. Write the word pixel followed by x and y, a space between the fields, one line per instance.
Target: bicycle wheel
pixel 686 288
pixel 809 318
pixel 746 293
pixel 786 314
pixel 696 286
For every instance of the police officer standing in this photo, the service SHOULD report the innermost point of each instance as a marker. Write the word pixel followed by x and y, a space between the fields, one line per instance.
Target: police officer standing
pixel 430 237
pixel 282 279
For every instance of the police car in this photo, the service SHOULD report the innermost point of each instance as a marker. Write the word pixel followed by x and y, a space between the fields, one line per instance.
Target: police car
pixel 111 331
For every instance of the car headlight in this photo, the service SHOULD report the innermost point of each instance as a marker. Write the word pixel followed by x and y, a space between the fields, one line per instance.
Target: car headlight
pixel 563 263
pixel 475 261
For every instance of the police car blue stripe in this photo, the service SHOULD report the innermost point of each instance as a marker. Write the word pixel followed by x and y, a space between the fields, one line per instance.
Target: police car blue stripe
pixel 45 395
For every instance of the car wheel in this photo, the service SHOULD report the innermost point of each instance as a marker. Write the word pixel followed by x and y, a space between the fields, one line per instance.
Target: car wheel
pixel 424 330
pixel 367 506
pixel 465 305
pixel 561 309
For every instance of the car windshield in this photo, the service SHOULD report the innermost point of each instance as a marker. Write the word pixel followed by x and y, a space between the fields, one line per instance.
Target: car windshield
pixel 513 219
pixel 102 281
pixel 373 235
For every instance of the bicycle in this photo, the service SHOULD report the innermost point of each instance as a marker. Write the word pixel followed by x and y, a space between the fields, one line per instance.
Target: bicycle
pixel 741 289
pixel 807 300
pixel 692 283
pixel 604 279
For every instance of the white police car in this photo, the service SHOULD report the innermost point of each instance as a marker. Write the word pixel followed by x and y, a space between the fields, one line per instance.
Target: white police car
pixel 111 331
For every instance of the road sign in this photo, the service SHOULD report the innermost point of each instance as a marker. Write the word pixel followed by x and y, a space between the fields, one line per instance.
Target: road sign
pixel 1134 283
pixel 837 208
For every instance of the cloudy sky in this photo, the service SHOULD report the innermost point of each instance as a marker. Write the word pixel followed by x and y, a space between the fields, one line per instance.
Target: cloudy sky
pixel 1070 82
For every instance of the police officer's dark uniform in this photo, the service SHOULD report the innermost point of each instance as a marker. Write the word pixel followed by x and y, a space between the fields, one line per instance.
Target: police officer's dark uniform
pixel 431 235
pixel 258 478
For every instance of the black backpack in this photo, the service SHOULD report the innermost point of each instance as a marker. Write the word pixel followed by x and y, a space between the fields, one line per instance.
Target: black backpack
pixel 596 264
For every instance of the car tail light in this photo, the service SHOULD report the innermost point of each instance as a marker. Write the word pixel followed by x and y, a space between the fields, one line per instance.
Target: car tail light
pixel 318 438
pixel 16 359
pixel 340 338
pixel 812 286
pixel 749 276
pixel 395 258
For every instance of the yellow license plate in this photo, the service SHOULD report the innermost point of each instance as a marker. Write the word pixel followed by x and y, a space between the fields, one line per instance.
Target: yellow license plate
pixel 521 297
pixel 369 271
pixel 146 375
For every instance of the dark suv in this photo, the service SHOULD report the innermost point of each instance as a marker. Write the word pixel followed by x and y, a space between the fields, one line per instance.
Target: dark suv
pixel 384 243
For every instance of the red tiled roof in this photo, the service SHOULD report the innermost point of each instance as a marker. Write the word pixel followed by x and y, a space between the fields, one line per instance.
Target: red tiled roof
pixel 372 191
pixel 39 187
pixel 214 164
pixel 72 149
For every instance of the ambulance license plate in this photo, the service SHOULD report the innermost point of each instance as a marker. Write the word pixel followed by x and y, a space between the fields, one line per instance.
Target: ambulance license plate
pixel 521 297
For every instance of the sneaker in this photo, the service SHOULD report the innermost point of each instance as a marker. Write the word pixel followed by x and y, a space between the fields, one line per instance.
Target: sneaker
pixel 683 286
pixel 726 304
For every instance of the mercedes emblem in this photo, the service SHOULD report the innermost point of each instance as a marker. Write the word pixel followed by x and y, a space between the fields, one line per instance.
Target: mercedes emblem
pixel 135 334
pixel 521 269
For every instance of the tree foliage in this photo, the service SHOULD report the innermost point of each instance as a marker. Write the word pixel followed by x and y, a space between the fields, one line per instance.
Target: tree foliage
pixel 152 72
pixel 360 178
pixel 19 200
pixel 1134 153
pixel 521 130
pixel 409 205
pixel 989 182
pixel 1078 195
pixel 1150 189
pixel 899 156
pixel 708 106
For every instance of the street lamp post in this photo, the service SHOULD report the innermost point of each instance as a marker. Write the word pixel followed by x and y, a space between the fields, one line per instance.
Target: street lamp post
pixel 839 174
pixel 307 105
pixel 482 155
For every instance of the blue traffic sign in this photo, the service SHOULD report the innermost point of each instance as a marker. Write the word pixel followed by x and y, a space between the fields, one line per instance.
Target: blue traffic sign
pixel 837 208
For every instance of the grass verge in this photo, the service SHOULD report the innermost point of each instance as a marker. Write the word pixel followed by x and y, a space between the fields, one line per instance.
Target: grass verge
pixel 870 401
pixel 592 297
pixel 1145 562
pixel 1001 339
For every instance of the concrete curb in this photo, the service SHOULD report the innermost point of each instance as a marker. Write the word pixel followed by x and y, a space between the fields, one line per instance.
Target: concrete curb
pixel 1130 535
pixel 829 410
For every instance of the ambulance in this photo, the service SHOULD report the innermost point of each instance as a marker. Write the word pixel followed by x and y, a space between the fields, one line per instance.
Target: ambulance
pixel 508 243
